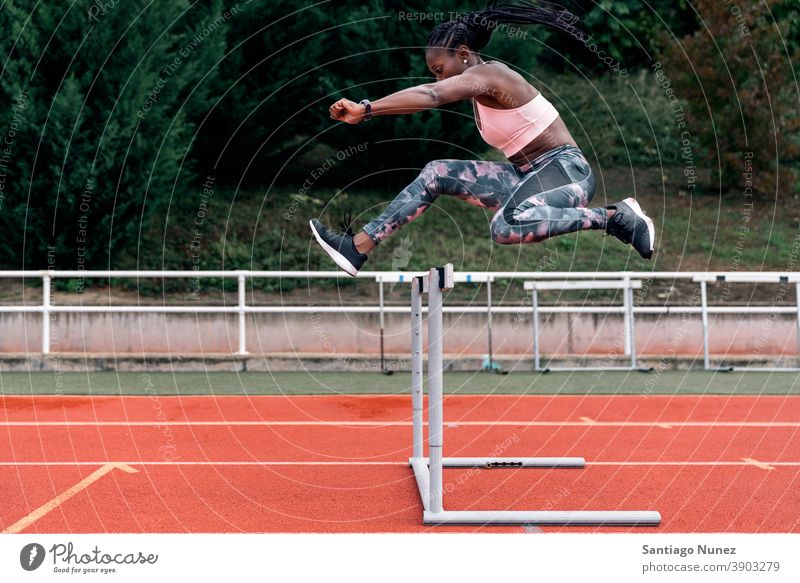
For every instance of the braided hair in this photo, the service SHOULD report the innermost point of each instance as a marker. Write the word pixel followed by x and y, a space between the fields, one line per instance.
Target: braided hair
pixel 474 29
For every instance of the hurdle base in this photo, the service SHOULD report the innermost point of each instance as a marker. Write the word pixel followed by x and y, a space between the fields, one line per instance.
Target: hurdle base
pixel 759 369
pixel 591 368
pixel 543 518
pixel 490 463
pixel 514 517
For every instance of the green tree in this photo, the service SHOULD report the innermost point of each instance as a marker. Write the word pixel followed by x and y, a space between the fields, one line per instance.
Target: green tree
pixel 740 90
pixel 621 35
pixel 105 135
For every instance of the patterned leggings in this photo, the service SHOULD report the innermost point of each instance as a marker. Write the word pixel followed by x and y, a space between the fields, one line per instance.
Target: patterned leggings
pixel 546 198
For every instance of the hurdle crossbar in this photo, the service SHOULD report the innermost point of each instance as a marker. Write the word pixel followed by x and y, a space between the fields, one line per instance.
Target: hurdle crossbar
pixel 428 470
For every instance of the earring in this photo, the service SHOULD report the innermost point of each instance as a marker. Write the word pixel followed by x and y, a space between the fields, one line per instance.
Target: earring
pixel 465 61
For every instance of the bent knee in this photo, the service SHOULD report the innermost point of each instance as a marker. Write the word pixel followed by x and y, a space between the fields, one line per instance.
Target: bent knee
pixel 502 233
pixel 507 234
pixel 437 167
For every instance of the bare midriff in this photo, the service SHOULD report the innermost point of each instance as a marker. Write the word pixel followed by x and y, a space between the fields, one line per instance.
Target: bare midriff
pixel 554 136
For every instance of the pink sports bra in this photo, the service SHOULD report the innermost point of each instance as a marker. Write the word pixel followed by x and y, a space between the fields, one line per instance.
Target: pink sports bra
pixel 510 130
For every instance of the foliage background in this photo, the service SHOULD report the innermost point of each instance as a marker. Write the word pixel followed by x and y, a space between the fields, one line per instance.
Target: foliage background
pixel 246 111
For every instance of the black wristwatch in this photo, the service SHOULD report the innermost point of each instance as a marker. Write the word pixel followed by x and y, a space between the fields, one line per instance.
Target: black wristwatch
pixel 368 112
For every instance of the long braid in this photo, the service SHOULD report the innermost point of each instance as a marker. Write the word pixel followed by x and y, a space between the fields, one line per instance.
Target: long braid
pixel 474 29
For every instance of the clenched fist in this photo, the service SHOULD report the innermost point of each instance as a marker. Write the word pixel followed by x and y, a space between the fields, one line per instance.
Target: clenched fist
pixel 348 111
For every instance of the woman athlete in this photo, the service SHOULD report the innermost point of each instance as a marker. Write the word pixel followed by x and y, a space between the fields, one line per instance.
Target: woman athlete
pixel 544 188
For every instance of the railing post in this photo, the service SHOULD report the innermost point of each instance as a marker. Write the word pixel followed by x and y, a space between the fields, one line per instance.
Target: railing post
pixel 242 316
pixel 489 320
pixel 381 321
pixel 535 318
pixel 797 299
pixel 46 313
pixel 704 313
pixel 626 300
pixel 631 320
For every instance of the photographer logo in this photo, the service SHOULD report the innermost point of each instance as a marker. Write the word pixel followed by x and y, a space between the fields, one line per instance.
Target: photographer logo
pixel 31 556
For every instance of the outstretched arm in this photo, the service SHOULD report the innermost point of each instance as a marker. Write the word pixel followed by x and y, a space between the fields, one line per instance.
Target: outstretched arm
pixel 413 99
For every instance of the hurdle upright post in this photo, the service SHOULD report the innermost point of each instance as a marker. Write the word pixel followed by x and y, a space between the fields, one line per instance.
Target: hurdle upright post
pixel 381 322
pixel 435 389
pixel 416 365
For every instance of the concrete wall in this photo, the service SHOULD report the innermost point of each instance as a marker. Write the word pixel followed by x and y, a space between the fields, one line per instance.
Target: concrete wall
pixel 333 334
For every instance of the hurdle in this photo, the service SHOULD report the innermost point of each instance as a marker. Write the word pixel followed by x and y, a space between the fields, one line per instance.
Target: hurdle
pixel 626 285
pixel 428 470
pixel 774 278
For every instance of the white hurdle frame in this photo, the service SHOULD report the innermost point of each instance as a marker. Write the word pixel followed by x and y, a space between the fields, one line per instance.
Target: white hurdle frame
pixel 777 278
pixel 428 471
pixel 627 285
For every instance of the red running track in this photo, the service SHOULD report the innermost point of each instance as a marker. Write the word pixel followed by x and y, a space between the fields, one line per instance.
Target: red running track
pixel 339 463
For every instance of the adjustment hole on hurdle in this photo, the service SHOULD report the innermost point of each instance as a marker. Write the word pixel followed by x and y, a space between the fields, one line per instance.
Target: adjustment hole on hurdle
pixel 503 465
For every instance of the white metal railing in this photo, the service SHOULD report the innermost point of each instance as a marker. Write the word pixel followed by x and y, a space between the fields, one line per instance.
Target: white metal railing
pixel 567 282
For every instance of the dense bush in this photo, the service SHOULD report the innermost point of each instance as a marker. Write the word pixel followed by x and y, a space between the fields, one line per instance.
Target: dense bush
pixel 101 132
pixel 618 121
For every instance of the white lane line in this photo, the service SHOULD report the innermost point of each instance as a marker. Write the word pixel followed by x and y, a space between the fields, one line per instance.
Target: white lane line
pixel 67 494
pixel 141 397
pixel 266 423
pixel 368 463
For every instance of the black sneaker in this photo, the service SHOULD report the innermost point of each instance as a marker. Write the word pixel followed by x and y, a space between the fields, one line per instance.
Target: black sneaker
pixel 630 225
pixel 339 246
